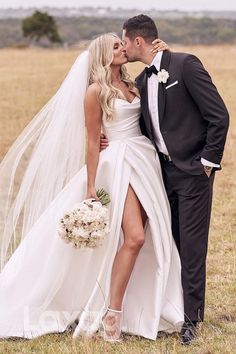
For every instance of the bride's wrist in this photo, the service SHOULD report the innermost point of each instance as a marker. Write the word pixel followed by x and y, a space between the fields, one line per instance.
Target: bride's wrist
pixel 90 187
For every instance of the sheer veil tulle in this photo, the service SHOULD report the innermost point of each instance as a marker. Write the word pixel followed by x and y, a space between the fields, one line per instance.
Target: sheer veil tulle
pixel 45 156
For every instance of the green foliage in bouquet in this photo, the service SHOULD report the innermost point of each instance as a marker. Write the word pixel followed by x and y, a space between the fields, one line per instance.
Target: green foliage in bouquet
pixel 103 196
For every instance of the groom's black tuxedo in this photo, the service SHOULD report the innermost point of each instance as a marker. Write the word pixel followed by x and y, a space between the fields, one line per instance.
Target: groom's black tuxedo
pixel 193 122
pixel 193 117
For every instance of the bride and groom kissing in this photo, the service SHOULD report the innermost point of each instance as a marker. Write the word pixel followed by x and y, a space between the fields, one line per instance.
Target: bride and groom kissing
pixel 187 122
pixel 165 140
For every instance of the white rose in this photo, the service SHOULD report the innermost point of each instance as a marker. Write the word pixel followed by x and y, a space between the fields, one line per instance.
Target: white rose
pixel 163 76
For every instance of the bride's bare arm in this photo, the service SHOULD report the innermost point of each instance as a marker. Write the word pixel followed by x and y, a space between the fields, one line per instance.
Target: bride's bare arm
pixel 93 119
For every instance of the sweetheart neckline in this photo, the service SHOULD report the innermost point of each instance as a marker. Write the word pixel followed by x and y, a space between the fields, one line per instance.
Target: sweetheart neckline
pixel 122 99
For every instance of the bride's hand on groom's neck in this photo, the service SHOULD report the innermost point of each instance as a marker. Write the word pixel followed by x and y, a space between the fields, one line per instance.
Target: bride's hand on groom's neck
pixel 159 46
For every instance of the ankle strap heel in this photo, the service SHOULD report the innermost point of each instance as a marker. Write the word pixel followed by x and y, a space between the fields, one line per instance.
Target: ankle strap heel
pixel 116 311
pixel 111 325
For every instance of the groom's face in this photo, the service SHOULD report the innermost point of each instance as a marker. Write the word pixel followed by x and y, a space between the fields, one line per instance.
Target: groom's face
pixel 130 47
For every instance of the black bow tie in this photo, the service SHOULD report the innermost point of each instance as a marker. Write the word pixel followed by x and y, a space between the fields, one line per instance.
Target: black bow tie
pixel 151 70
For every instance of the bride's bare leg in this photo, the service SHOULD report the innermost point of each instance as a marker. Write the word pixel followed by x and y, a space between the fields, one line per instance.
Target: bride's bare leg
pixel 133 222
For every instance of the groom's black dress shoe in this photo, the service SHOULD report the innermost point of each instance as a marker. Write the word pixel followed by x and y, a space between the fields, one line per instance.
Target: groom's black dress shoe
pixel 188 332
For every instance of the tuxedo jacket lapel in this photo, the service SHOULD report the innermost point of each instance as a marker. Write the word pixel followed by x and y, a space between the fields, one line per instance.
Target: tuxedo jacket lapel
pixel 165 61
pixel 142 83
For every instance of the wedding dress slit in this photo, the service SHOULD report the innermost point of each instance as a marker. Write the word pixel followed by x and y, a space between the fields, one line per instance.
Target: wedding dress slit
pixel 47 284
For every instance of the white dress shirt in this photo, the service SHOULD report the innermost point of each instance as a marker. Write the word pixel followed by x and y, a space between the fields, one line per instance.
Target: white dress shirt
pixel 153 85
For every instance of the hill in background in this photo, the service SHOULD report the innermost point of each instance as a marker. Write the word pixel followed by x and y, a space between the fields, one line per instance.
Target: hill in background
pixel 114 13
pixel 78 24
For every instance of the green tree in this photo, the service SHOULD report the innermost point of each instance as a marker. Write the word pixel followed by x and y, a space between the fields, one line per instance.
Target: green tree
pixel 40 25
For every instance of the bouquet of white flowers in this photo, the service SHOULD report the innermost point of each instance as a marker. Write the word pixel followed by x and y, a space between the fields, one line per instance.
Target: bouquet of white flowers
pixel 86 224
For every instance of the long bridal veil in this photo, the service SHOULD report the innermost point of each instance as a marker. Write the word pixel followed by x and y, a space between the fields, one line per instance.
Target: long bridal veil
pixel 45 156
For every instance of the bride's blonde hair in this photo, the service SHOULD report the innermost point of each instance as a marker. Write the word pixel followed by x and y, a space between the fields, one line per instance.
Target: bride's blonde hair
pixel 101 57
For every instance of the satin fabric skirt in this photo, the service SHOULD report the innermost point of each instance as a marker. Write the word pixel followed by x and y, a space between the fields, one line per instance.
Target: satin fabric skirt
pixel 47 284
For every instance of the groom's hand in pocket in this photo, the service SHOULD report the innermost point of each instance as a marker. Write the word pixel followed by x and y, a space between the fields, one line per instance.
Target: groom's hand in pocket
pixel 159 46
pixel 103 142
pixel 207 170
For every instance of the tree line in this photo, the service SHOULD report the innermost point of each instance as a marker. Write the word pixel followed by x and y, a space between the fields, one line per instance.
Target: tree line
pixel 71 30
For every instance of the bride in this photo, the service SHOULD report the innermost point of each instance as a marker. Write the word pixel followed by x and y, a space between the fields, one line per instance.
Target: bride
pixel 132 282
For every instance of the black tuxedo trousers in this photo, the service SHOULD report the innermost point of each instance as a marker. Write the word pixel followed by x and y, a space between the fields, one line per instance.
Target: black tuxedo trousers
pixel 190 198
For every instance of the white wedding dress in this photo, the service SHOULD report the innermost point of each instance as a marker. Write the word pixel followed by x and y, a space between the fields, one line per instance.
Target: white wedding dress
pixel 47 284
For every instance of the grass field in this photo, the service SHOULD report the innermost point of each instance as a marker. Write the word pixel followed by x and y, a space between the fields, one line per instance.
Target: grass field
pixel 27 79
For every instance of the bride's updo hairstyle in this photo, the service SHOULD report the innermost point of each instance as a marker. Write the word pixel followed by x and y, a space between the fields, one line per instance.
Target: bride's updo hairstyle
pixel 101 57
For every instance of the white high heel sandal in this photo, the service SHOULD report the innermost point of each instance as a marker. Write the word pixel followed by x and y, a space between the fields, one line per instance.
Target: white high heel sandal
pixel 111 325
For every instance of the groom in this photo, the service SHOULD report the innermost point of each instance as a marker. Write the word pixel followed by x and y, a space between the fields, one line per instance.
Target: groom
pixel 187 121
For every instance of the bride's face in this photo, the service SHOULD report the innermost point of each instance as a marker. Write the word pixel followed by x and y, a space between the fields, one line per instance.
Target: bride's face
pixel 119 53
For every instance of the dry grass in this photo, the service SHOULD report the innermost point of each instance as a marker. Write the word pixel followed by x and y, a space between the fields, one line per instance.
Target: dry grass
pixel 27 79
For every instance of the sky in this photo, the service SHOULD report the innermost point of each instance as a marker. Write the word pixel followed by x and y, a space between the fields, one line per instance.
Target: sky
pixel 187 5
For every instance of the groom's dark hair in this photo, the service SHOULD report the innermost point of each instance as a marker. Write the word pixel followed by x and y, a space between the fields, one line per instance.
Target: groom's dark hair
pixel 141 26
